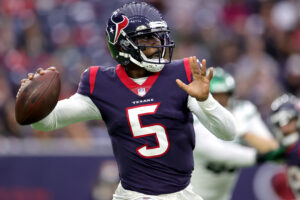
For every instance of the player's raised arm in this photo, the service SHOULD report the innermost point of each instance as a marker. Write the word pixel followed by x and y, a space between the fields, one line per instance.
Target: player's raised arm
pixel 211 114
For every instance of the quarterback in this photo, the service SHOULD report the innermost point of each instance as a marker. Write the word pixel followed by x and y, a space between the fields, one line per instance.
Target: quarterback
pixel 146 102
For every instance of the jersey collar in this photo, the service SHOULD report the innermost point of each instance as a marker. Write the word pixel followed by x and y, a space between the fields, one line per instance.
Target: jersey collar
pixel 140 90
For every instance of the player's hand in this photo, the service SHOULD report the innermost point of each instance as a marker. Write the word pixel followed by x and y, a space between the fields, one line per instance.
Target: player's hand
pixel 199 87
pixel 274 155
pixel 41 71
pixel 30 76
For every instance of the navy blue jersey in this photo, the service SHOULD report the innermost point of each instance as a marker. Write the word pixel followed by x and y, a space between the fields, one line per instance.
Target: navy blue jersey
pixel 292 155
pixel 149 125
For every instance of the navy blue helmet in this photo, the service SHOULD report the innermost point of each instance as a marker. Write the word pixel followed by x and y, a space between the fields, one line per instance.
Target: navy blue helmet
pixel 131 21
pixel 284 110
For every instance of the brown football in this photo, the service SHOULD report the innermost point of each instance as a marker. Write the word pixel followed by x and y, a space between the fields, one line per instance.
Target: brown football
pixel 38 97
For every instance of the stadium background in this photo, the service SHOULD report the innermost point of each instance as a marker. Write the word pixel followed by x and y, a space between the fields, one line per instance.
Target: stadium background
pixel 257 41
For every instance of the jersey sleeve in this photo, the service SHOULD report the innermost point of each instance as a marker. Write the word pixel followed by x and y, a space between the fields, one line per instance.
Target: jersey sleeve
pixel 75 109
pixel 87 81
pixel 217 119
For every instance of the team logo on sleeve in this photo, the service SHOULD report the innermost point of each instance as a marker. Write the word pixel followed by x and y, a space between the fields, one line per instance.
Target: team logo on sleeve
pixel 116 24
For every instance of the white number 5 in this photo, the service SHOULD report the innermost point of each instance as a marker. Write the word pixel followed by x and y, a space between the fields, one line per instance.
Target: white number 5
pixel 138 130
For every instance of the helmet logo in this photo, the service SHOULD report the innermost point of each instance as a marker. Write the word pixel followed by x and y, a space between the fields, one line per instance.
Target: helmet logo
pixel 119 26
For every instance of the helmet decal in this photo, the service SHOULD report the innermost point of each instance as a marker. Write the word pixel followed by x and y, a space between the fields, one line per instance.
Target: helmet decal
pixel 119 26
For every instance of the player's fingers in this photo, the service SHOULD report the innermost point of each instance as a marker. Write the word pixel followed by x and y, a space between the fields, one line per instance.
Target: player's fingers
pixel 194 66
pixel 52 68
pixel 211 73
pixel 30 76
pixel 182 85
pixel 40 71
pixel 20 89
pixel 203 69
pixel 23 80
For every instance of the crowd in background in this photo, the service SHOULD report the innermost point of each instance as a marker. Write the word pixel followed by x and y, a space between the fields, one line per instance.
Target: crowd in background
pixel 257 41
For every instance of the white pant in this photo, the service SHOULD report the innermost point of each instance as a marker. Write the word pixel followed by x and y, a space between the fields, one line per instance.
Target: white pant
pixel 212 186
pixel 186 194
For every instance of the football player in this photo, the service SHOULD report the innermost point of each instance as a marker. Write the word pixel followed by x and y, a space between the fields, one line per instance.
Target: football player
pixel 285 120
pixel 147 103
pixel 217 161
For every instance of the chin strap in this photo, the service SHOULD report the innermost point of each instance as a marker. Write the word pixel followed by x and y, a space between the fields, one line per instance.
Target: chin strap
pixel 151 67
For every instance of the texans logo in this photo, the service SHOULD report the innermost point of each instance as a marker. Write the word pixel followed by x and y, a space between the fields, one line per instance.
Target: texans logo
pixel 116 27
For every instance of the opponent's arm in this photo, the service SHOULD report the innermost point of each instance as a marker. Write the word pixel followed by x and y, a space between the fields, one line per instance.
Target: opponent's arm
pixel 222 152
pixel 273 155
pixel 75 109
pixel 262 144
pixel 255 133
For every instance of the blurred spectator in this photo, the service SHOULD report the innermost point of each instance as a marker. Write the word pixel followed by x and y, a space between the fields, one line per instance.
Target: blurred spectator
pixel 256 75
pixel 257 41
pixel 43 33
pixel 292 75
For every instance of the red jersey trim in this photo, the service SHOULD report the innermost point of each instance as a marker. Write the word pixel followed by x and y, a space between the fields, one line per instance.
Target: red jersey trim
pixel 188 71
pixel 92 77
pixel 140 90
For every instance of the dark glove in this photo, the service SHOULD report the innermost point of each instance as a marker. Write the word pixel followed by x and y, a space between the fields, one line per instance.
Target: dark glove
pixel 271 155
pixel 218 168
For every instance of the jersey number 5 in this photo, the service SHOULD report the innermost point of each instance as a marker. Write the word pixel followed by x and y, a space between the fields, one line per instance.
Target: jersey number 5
pixel 138 130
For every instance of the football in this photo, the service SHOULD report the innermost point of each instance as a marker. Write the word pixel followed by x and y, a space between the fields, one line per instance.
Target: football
pixel 38 97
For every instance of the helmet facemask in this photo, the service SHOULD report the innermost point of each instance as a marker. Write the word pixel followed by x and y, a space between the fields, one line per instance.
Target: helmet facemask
pixel 135 52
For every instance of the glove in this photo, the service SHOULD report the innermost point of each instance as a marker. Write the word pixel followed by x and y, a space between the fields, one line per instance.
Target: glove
pixel 271 155
pixel 218 168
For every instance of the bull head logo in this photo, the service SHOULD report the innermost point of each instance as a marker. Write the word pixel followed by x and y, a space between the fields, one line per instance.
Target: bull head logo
pixel 116 25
